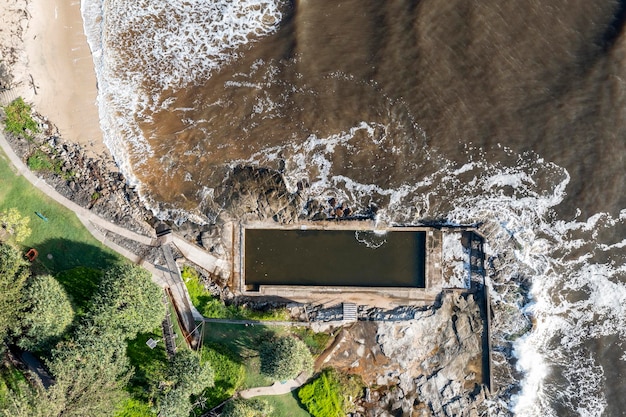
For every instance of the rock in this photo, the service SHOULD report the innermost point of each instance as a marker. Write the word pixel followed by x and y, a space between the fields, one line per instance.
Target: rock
pixel 435 351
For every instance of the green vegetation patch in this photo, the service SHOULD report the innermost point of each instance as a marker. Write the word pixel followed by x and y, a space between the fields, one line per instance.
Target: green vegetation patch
pixel 11 379
pixel 331 394
pixel 286 405
pixel 62 242
pixel 134 408
pixel 149 365
pixel 19 120
pixel 316 342
pixel 42 162
pixel 243 343
pixel 229 374
pixel 212 307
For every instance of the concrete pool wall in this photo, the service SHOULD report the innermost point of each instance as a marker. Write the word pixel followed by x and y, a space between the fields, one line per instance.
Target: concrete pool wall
pixel 421 288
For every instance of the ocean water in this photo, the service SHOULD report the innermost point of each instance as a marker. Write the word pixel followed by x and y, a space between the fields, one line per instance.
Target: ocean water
pixel 506 114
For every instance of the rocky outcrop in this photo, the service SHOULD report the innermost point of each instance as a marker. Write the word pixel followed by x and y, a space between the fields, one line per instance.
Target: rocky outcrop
pixel 92 182
pixel 440 360
pixel 258 194
pixel 427 362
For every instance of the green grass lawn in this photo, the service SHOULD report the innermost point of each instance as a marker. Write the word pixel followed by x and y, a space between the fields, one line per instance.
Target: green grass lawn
pixel 243 343
pixel 62 242
pixel 286 405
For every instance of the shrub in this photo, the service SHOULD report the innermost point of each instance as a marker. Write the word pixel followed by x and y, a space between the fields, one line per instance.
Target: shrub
pixel 331 394
pixel 212 307
pixel 41 161
pixel 18 119
pixel 46 315
pixel 247 408
pixel 134 408
pixel 185 376
pixel 15 224
pixel 284 357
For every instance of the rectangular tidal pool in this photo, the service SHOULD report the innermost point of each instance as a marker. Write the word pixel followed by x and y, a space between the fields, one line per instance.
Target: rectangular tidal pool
pixel 334 258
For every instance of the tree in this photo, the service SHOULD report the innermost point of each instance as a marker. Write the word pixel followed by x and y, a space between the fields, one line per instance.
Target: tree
pixel 247 408
pixel 185 376
pixel 18 119
pixel 13 274
pixel 46 313
pixel 285 357
pixel 15 224
pixel 128 300
pixel 90 372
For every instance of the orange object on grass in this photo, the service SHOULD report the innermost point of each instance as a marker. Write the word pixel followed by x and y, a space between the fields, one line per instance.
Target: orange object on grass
pixel 32 254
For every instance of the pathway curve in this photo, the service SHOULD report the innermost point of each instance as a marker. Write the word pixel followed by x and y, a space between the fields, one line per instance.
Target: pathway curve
pixel 163 276
pixel 277 388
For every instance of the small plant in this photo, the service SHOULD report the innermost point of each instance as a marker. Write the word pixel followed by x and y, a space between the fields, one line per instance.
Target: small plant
pixel 39 161
pixel 95 195
pixel 19 120
pixel 42 162
pixel 331 394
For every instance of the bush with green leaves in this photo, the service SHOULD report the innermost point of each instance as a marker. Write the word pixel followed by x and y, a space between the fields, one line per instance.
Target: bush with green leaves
pixel 284 357
pixel 212 307
pixel 18 119
pixel 14 272
pixel 330 394
pixel 185 376
pixel 247 408
pixel 41 161
pixel 46 314
pixel 15 224
pixel 128 300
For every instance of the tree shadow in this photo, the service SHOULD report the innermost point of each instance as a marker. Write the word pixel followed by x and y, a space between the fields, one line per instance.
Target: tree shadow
pixel 76 265
pixel 57 255
pixel 241 340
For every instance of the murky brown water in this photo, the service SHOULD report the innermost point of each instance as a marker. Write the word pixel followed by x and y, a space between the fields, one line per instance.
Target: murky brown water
pixel 335 258
pixel 505 112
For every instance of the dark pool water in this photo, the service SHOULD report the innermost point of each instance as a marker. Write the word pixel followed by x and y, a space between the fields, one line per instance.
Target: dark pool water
pixel 334 258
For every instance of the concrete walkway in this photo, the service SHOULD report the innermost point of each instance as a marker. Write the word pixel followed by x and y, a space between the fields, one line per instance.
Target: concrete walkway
pixel 161 275
pixel 200 257
pixel 277 388
pixel 79 210
pixel 258 322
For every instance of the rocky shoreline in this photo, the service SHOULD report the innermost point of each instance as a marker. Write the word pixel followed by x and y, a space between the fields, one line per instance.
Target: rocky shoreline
pixel 94 183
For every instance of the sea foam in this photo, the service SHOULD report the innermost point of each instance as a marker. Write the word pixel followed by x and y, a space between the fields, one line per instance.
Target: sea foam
pixel 142 48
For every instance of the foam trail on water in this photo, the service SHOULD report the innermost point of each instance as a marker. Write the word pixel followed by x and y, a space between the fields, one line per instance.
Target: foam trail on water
pixel 142 48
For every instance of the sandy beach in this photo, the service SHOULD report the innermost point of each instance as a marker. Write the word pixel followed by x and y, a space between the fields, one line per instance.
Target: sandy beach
pixel 55 70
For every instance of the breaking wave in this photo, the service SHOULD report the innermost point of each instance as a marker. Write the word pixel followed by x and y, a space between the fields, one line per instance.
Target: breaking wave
pixel 574 268
pixel 142 48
